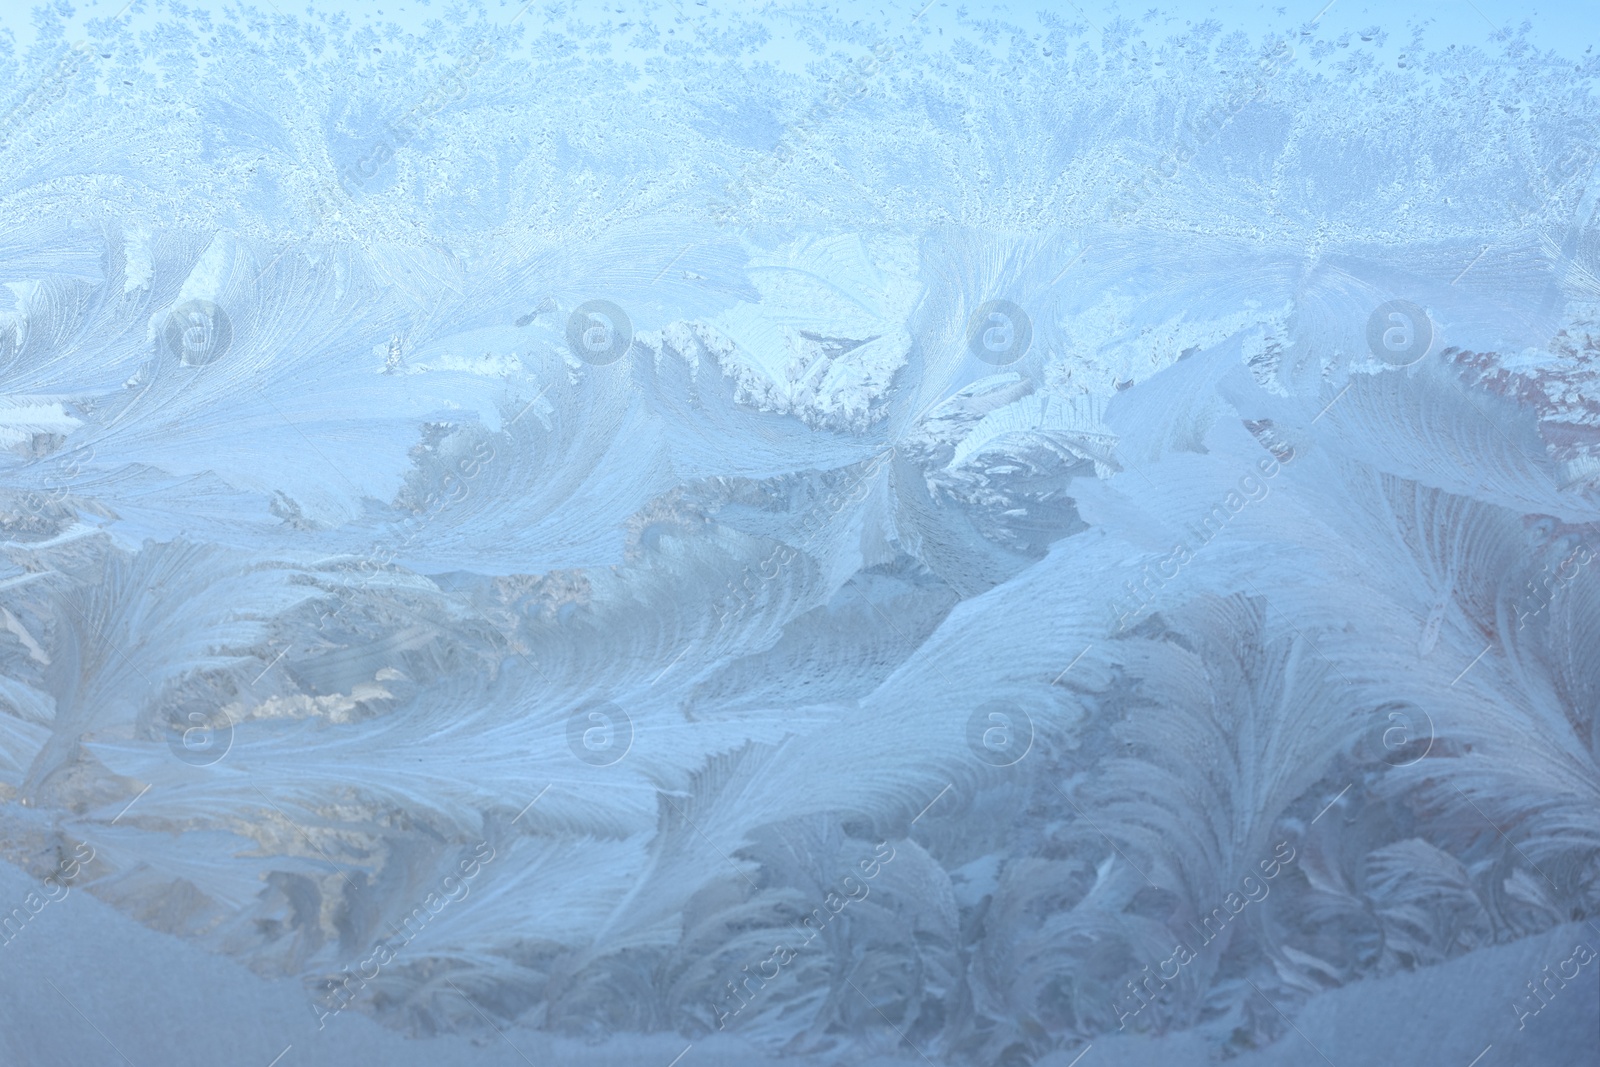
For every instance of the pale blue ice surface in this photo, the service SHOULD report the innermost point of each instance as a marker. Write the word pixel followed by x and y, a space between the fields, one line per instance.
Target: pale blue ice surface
pixel 598 533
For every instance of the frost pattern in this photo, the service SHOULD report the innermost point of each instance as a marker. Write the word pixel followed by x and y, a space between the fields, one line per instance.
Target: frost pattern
pixel 309 610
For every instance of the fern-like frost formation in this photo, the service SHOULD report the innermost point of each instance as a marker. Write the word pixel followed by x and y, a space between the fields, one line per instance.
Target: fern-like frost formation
pixel 823 536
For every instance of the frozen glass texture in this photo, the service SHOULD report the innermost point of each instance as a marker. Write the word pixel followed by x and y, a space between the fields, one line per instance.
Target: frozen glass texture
pixel 711 533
